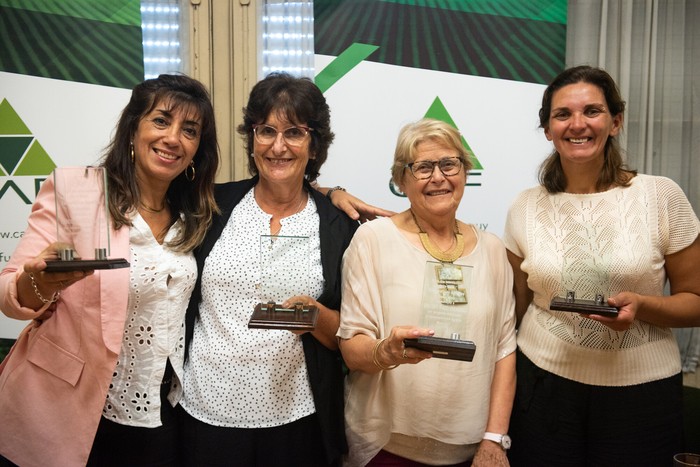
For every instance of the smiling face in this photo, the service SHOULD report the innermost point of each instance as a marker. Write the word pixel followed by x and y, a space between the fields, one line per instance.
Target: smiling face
pixel 439 195
pixel 165 142
pixel 279 162
pixel 580 124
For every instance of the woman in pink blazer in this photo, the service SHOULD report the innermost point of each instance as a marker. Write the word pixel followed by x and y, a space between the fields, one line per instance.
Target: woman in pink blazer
pixel 88 379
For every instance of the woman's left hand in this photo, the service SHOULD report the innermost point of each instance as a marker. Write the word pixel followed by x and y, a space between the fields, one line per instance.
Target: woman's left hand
pixel 326 324
pixel 357 209
pixel 627 304
pixel 305 300
pixel 490 454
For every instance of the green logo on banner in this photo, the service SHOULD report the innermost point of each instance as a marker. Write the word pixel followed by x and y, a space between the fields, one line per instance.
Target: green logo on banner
pixel 438 111
pixel 353 56
pixel 20 152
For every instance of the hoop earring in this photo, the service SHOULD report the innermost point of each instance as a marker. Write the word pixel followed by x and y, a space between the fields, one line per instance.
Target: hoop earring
pixel 187 175
pixel 133 157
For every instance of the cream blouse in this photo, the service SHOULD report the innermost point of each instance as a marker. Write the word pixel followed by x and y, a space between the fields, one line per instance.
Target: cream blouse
pixel 442 400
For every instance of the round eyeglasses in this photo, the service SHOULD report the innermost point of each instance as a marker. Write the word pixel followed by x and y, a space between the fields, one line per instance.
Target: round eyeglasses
pixel 423 170
pixel 293 136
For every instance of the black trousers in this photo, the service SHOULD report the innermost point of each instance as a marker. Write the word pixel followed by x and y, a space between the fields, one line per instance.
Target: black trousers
pixel 559 422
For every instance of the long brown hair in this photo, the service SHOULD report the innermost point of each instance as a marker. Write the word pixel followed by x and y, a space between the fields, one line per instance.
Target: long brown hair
pixel 193 199
pixel 614 171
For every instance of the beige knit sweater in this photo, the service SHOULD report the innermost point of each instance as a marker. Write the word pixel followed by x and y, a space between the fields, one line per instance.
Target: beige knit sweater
pixel 605 243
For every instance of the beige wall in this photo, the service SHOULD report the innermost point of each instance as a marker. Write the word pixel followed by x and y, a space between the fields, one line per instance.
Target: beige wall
pixel 223 55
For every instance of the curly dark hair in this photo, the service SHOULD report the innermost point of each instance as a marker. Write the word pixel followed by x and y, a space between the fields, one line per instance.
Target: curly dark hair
pixel 299 100
pixel 194 199
pixel 551 174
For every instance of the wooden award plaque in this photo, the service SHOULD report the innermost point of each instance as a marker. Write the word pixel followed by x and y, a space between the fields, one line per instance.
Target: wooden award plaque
pixel 274 316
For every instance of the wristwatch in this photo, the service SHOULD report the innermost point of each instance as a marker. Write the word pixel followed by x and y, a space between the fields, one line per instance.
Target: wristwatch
pixel 502 440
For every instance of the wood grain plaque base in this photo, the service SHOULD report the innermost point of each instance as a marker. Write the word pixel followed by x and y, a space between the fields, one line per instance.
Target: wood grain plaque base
pixel 442 347
pixel 274 316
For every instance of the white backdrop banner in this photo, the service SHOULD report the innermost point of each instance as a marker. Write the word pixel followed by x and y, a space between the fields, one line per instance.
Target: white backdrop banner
pixel 45 123
pixel 497 119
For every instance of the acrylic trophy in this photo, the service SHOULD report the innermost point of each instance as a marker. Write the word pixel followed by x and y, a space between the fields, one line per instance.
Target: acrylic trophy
pixel 445 306
pixel 82 221
pixel 585 277
pixel 284 269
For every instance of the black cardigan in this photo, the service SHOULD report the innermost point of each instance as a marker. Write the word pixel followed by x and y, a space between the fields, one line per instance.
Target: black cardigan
pixel 324 365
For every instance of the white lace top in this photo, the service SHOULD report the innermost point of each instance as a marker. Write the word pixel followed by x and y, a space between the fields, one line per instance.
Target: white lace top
pixel 161 282
pixel 599 243
pixel 251 378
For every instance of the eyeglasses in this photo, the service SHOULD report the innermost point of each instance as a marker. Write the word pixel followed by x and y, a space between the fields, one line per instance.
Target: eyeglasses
pixel 293 136
pixel 423 170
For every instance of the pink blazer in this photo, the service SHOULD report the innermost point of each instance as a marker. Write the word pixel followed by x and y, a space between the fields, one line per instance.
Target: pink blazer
pixel 54 382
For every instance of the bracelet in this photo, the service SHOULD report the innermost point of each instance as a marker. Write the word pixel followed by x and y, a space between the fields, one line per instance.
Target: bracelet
pixel 375 359
pixel 335 188
pixel 53 299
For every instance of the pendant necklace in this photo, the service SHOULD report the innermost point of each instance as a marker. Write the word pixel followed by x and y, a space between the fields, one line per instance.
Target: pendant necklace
pixel 301 201
pixel 448 256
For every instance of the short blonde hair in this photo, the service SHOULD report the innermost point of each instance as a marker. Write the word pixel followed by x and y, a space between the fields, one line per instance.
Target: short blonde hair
pixel 427 129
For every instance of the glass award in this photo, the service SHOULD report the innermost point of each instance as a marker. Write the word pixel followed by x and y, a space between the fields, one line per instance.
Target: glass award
pixel 586 276
pixel 284 271
pixel 445 306
pixel 82 221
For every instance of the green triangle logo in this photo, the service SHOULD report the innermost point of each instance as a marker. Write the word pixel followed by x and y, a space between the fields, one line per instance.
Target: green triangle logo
pixel 438 111
pixel 36 162
pixel 12 148
pixel 10 123
pixel 20 152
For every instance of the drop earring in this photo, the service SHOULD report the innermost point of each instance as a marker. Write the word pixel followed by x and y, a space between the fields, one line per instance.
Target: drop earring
pixel 131 148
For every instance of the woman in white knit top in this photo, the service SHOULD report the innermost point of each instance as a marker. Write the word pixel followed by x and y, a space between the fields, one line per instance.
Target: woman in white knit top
pixel 595 390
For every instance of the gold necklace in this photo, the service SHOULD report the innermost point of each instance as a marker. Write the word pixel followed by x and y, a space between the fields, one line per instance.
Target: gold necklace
pixel 150 209
pixel 448 256
pixel 281 217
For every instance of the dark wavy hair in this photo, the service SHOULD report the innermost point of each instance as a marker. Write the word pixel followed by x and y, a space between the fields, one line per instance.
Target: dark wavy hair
pixel 194 199
pixel 299 100
pixel 614 171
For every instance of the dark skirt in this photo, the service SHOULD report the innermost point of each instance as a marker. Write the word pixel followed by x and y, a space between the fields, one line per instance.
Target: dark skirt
pixel 560 422
pixel 120 445
pixel 295 444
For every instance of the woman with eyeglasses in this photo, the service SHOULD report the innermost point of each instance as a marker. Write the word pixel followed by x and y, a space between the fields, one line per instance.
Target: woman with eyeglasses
pixel 269 397
pixel 424 273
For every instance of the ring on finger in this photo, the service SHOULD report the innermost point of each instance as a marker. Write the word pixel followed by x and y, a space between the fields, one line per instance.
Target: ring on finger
pixel 404 354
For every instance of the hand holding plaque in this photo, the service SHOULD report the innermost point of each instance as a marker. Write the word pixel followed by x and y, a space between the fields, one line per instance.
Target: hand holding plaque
pixel 284 271
pixel 445 305
pixel 82 221
pixel 587 307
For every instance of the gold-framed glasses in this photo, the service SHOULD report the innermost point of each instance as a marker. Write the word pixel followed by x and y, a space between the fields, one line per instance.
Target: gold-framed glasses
pixel 423 170
pixel 293 136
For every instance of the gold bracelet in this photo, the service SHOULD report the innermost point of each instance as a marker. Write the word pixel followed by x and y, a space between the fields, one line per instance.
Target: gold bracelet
pixel 375 359
pixel 53 299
